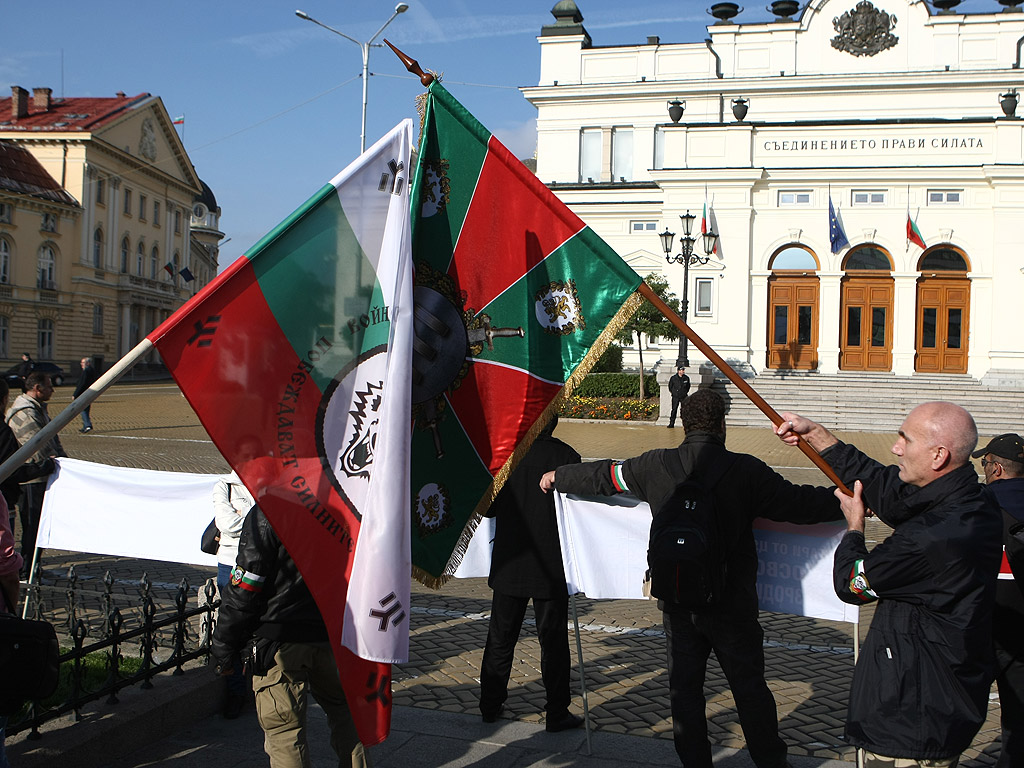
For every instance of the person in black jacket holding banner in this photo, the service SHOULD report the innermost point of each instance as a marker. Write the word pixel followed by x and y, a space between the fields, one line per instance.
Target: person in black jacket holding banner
pixel 526 562
pixel 267 605
pixel 920 688
pixel 748 488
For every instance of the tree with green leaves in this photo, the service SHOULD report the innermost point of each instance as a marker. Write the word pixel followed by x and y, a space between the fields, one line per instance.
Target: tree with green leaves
pixel 650 322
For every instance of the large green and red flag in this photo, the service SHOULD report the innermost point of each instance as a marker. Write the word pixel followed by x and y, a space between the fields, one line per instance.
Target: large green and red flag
pixel 914 234
pixel 515 300
pixel 296 359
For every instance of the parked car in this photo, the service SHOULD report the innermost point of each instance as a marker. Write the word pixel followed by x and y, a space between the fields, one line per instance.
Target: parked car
pixel 15 382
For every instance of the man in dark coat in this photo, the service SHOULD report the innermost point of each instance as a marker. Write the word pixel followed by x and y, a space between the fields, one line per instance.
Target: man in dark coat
pixel 920 688
pixel 678 387
pixel 748 488
pixel 526 562
pixel 1002 461
pixel 86 380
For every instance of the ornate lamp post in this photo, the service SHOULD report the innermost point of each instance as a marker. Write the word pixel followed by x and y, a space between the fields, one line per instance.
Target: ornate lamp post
pixel 365 49
pixel 687 258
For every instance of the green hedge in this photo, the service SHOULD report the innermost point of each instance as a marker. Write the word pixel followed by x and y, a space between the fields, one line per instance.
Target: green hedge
pixel 617 385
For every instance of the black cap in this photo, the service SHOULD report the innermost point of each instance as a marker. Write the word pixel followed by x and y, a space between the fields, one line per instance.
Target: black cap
pixel 1008 446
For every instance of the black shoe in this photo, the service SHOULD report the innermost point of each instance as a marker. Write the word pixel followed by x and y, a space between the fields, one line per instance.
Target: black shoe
pixel 83 430
pixel 563 723
pixel 492 717
pixel 671 426
pixel 233 705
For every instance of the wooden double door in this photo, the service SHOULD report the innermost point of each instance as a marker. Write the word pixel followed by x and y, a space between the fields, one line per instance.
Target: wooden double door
pixel 943 322
pixel 793 322
pixel 865 327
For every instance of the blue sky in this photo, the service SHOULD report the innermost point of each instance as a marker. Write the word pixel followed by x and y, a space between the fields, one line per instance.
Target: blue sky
pixel 272 102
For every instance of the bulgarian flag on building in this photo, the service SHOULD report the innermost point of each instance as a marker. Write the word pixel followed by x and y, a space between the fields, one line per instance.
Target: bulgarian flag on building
pixel 706 224
pixel 515 299
pixel 914 234
pixel 296 359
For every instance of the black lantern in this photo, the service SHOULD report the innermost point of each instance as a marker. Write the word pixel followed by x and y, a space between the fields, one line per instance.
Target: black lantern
pixel 687 257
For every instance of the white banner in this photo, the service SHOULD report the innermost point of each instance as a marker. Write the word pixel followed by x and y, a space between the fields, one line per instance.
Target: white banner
pixel 604 552
pixel 128 512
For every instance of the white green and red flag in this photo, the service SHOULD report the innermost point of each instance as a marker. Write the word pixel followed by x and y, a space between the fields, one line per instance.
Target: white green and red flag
pixel 914 234
pixel 296 359
pixel 515 299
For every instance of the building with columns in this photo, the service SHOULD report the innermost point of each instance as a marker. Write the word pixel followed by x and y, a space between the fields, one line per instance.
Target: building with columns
pixel 887 110
pixel 97 273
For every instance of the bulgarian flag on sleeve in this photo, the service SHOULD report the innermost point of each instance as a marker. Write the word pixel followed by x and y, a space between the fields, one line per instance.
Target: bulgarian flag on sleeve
pixel 515 299
pixel 296 359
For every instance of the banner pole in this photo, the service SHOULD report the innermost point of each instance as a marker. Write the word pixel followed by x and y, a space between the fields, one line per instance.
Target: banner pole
pixel 583 674
pixel 735 378
pixel 79 404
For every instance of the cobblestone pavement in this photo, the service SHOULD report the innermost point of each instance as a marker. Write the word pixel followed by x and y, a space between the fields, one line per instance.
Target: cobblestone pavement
pixel 809 662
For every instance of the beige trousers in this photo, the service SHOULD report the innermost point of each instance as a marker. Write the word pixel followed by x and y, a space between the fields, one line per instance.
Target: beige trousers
pixel 281 706
pixel 871 760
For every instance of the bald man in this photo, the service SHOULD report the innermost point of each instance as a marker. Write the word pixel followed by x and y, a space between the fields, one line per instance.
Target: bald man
pixel 920 688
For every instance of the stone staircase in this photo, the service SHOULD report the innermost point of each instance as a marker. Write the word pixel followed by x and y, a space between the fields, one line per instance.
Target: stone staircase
pixel 874 402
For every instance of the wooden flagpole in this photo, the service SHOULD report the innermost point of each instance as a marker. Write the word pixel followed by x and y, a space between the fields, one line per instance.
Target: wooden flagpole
pixel 735 378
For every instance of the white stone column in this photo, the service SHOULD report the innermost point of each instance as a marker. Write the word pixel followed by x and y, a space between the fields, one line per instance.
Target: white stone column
pixel 904 323
pixel 829 294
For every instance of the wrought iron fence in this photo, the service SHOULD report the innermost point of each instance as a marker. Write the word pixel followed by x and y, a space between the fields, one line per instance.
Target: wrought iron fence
pixel 164 638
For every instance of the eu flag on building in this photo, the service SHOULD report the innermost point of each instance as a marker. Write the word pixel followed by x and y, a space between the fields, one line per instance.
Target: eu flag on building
pixel 835 230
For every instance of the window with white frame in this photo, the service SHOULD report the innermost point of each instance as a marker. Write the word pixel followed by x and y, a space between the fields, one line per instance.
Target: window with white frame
pixel 643 227
pixel 97 319
pixel 868 197
pixel 47 268
pixel 6 213
pixel 143 202
pixel 49 222
pixel 156 213
pixel 97 248
pixel 622 154
pixel 5 263
pixel 794 197
pixel 101 192
pixel 44 338
pixel 705 296
pixel 590 154
pixel 5 336
pixel 945 197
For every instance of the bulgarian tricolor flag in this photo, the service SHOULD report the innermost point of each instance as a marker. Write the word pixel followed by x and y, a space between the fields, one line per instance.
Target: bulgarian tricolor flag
pixel 914 234
pixel 706 224
pixel 515 299
pixel 296 359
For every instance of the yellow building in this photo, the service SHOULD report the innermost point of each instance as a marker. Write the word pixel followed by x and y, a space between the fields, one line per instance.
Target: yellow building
pixel 89 273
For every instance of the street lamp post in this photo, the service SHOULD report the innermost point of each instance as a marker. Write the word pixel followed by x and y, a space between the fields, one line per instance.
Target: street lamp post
pixel 365 49
pixel 687 257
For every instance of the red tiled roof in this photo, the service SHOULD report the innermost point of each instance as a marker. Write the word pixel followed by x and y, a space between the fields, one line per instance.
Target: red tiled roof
pixel 21 173
pixel 73 114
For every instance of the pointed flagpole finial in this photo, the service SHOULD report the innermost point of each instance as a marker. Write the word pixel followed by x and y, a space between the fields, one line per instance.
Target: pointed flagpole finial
pixel 412 65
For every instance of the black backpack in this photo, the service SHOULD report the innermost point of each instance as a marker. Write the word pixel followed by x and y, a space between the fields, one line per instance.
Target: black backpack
pixel 685 557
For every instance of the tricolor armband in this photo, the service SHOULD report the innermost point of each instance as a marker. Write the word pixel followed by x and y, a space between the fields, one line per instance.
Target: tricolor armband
pixel 859 584
pixel 617 479
pixel 247 580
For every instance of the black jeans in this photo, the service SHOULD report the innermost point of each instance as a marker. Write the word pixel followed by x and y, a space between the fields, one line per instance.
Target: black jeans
pixel 507 613
pixel 676 402
pixel 1010 683
pixel 737 643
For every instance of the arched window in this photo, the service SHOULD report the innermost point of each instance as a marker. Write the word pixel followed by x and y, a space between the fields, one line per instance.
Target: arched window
pixel 154 258
pixel 140 255
pixel 943 259
pixel 126 250
pixel 153 265
pixel 5 263
pixel 867 257
pixel 47 268
pixel 97 248
pixel 794 257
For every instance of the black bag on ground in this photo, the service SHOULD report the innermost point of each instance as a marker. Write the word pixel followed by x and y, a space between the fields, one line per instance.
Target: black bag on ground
pixel 685 557
pixel 211 538
pixel 29 661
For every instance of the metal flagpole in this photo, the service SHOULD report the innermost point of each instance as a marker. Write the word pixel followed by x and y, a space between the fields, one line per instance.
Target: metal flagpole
pixel 583 674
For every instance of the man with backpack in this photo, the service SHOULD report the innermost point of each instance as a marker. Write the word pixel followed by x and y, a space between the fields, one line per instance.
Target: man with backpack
pixel 702 492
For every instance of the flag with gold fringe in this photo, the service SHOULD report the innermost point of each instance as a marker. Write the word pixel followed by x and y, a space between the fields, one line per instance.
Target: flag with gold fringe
pixel 515 299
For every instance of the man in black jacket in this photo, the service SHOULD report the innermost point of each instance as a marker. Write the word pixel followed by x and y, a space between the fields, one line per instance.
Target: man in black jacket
pixel 678 388
pixel 526 562
pixel 1002 461
pixel 267 605
pixel 748 489
pixel 920 688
